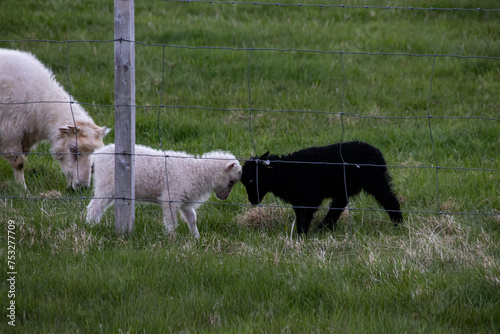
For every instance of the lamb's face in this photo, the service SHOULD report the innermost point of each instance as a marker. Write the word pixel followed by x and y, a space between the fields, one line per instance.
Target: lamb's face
pixel 252 175
pixel 230 176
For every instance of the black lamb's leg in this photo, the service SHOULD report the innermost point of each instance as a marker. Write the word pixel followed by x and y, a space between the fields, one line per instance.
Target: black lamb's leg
pixel 393 209
pixel 303 217
pixel 336 208
pixel 387 198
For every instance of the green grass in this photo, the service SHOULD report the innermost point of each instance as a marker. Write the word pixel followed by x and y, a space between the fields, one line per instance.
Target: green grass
pixel 436 273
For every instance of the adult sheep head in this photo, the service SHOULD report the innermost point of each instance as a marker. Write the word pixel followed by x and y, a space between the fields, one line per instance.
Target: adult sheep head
pixel 254 175
pixel 73 148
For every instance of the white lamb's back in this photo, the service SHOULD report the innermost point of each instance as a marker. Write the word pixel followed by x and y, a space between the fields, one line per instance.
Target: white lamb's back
pixel 150 166
pixel 177 181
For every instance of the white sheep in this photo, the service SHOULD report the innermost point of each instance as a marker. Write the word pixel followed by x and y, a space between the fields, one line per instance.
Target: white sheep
pixel 34 107
pixel 175 180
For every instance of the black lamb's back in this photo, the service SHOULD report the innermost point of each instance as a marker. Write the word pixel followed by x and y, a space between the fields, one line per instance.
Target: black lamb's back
pixel 312 174
pixel 352 152
pixel 306 177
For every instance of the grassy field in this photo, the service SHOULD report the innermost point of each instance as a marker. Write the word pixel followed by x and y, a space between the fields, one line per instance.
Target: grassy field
pixel 248 273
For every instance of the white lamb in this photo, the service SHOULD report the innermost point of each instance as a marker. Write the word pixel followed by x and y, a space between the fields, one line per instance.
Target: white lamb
pixel 34 107
pixel 175 180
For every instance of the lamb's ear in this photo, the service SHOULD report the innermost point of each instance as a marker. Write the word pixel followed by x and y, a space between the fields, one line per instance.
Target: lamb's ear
pixel 231 166
pixel 264 161
pixel 264 156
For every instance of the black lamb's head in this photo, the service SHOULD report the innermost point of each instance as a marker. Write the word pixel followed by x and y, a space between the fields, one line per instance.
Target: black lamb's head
pixel 254 178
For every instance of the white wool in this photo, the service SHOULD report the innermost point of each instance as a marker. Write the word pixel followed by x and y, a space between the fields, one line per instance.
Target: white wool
pixel 24 79
pixel 34 107
pixel 177 180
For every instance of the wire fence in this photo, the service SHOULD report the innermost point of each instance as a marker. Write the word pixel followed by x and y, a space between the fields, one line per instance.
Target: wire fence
pixel 435 166
pixel 320 5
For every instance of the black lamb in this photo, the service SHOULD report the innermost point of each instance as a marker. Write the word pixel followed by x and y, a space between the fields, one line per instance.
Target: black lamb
pixel 306 177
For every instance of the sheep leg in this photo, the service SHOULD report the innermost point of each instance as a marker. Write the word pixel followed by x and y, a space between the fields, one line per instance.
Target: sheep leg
pixel 96 208
pixel 17 163
pixel 391 205
pixel 386 197
pixel 190 217
pixel 336 208
pixel 304 217
pixel 170 215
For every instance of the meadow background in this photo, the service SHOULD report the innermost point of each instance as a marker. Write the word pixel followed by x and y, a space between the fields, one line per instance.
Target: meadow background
pixel 248 273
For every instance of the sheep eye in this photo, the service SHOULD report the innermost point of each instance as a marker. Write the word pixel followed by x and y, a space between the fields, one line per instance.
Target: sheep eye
pixel 73 149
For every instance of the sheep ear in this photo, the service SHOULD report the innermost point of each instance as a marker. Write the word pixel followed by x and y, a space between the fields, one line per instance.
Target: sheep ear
pixel 69 129
pixel 64 130
pixel 103 131
pixel 231 166
pixel 264 156
pixel 74 129
pixel 265 162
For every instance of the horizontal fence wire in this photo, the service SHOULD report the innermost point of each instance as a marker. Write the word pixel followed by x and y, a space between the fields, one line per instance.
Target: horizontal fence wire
pixel 251 110
pixel 157 201
pixel 267 161
pixel 228 48
pixel 319 5
pixel 337 113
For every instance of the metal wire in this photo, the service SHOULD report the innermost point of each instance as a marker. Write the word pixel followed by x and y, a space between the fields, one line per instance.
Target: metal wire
pixel 251 110
pixel 333 6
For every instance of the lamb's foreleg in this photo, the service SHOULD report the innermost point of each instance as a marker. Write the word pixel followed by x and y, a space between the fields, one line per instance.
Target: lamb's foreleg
pixel 304 217
pixel 170 215
pixel 336 208
pixel 190 215
pixel 96 208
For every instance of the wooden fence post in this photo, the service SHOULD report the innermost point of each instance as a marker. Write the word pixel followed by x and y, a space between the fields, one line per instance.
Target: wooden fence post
pixel 124 115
